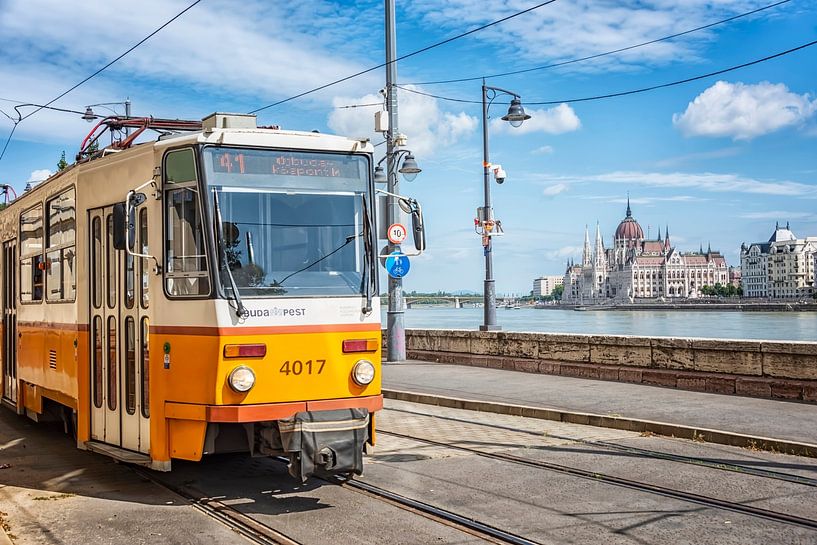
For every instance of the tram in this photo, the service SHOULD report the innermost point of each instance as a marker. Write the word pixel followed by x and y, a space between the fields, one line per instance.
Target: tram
pixel 212 291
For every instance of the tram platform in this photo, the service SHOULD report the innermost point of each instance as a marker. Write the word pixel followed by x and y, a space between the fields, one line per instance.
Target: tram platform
pixel 755 420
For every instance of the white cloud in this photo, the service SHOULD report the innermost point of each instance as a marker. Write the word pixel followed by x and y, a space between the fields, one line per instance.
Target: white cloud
pixel 428 127
pixel 555 189
pixel 39 175
pixel 265 49
pixel 584 27
pixel 557 120
pixel 744 111
pixel 563 252
pixel 706 181
pixel 777 215
pixel 544 150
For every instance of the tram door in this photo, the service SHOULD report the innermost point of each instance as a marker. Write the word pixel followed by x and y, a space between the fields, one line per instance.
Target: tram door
pixel 10 320
pixel 118 334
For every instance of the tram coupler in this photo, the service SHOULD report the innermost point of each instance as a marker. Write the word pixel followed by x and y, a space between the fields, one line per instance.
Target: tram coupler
pixel 321 443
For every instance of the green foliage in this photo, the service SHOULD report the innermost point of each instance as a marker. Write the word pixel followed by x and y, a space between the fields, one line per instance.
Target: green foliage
pixel 62 164
pixel 720 290
pixel 557 292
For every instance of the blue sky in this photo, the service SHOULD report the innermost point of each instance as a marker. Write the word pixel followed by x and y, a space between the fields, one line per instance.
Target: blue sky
pixel 719 160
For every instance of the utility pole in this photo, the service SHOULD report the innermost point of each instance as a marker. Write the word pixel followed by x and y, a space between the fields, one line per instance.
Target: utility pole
pixel 395 328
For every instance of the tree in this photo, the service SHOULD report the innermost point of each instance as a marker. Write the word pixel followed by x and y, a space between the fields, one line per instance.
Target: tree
pixel 557 292
pixel 62 164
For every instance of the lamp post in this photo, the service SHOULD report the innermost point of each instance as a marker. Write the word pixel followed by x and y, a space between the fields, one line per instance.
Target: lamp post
pixel 89 114
pixel 395 328
pixel 515 116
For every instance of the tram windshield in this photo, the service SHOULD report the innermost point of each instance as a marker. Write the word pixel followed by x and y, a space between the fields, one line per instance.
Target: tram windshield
pixel 291 223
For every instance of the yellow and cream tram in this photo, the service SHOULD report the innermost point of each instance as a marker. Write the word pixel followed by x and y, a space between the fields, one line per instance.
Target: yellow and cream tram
pixel 212 291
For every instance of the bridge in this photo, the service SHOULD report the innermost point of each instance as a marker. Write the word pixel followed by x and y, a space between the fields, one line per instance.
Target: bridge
pixel 456 301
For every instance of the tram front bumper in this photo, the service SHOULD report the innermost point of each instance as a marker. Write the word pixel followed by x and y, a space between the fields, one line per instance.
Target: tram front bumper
pixel 240 414
pixel 323 436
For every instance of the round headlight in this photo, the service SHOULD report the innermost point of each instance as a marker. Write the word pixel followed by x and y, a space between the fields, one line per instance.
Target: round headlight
pixel 241 379
pixel 363 372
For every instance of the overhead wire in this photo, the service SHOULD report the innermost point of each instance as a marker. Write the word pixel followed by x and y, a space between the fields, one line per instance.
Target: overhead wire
pixel 606 53
pixel 630 92
pixel 111 63
pixel 402 57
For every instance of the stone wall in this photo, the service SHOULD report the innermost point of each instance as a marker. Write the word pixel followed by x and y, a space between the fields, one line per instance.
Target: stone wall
pixel 784 370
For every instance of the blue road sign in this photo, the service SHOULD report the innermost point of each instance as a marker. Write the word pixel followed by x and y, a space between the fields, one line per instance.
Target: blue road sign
pixel 397 265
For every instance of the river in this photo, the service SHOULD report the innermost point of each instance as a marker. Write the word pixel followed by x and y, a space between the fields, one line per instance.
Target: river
pixel 790 326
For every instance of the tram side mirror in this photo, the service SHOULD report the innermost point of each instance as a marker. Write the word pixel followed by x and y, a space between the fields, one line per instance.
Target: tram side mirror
pixel 411 206
pixel 418 229
pixel 121 221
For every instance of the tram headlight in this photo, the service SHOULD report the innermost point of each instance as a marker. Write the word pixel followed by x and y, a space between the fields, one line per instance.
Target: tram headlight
pixel 363 372
pixel 241 379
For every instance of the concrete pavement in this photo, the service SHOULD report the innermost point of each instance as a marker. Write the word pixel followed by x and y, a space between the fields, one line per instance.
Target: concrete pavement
pixel 785 420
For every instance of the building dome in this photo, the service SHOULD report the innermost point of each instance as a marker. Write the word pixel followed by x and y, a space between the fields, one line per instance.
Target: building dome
pixel 629 228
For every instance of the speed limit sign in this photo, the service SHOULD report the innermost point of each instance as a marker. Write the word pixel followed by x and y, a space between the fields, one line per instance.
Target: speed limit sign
pixel 397 233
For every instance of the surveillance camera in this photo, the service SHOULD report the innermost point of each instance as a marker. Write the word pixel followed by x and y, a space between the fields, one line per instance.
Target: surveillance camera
pixel 383 91
pixel 499 174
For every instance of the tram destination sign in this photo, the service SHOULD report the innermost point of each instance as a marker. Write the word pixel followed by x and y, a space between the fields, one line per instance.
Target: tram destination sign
pixel 285 163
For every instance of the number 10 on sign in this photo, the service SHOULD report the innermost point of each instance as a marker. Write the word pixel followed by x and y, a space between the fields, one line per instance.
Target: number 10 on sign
pixel 397 233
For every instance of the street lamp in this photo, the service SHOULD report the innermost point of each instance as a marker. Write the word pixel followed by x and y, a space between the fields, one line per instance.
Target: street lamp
pixel 408 169
pixel 516 116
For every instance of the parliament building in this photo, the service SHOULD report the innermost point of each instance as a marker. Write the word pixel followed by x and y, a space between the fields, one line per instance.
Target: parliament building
pixel 636 268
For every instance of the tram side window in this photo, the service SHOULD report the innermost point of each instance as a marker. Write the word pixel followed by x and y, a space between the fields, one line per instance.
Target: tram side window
pixel 61 282
pixel 186 260
pixel 31 255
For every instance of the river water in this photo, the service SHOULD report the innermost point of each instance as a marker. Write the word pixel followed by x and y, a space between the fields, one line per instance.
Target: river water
pixel 792 326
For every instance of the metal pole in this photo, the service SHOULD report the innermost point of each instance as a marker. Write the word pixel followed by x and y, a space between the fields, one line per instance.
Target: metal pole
pixel 395 328
pixel 127 114
pixel 489 287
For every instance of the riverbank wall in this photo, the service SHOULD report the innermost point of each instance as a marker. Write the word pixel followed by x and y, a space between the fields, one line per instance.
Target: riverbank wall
pixel 769 369
pixel 777 306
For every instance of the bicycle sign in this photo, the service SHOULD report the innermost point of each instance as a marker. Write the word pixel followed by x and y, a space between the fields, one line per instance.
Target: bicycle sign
pixel 397 265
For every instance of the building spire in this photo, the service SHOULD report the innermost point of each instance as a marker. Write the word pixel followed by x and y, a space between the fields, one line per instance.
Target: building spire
pixel 629 212
pixel 587 253
pixel 666 239
pixel 598 254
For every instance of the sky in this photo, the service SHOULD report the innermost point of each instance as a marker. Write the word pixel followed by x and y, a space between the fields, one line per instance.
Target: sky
pixel 717 160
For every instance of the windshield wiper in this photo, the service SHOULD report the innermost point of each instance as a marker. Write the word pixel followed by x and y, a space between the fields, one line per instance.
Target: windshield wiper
pixel 240 310
pixel 367 282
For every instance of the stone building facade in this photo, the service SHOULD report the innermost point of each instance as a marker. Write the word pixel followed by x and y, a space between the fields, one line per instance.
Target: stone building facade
pixel 640 268
pixel 782 268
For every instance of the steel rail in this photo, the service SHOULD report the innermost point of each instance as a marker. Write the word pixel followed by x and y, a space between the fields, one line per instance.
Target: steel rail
pixel 443 516
pixel 710 463
pixel 628 483
pixel 246 526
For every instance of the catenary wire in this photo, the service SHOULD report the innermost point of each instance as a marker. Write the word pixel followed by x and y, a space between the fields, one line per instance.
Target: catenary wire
pixel 624 93
pixel 139 43
pixel 606 53
pixel 406 56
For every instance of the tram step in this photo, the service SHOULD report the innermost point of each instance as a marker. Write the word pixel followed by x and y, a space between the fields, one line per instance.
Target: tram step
pixel 117 453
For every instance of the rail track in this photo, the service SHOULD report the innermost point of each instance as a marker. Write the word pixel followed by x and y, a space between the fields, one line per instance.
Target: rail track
pixel 470 526
pixel 689 497
pixel 260 533
pixel 246 526
pixel 710 463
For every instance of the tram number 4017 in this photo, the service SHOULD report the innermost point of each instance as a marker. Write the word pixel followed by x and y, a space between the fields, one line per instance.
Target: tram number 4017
pixel 298 367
